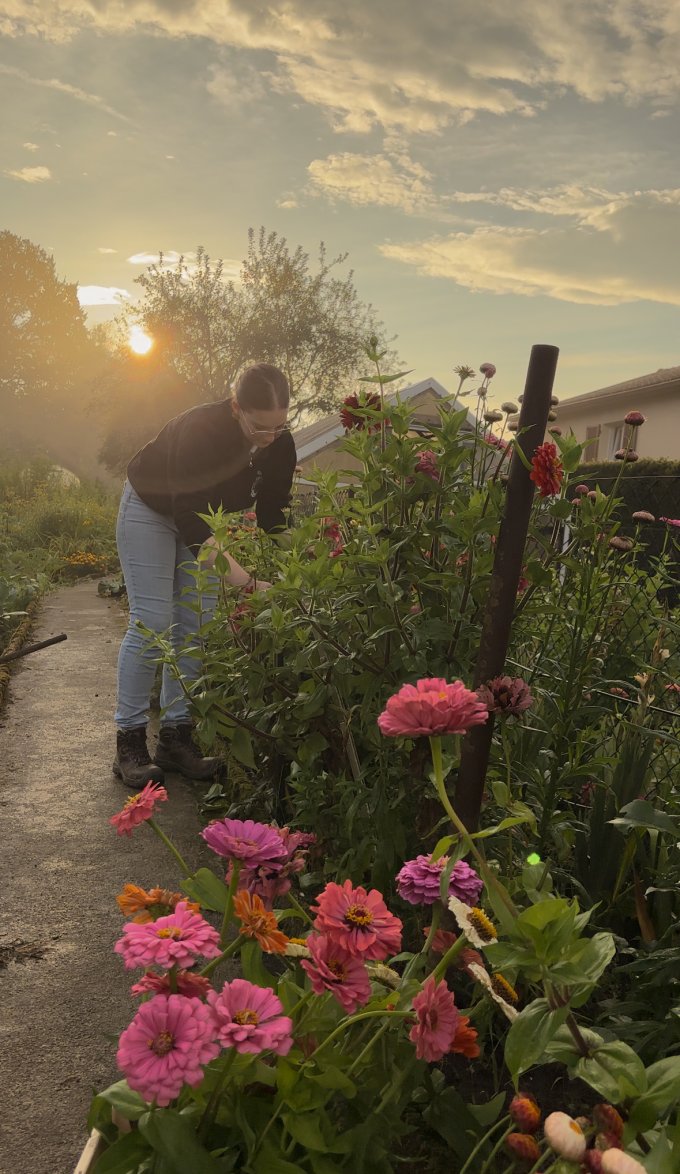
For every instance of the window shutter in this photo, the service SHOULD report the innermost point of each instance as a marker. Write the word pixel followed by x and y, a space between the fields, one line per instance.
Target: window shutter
pixel 592 435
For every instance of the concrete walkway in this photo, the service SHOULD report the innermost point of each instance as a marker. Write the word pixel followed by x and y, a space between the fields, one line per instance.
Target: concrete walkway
pixel 64 995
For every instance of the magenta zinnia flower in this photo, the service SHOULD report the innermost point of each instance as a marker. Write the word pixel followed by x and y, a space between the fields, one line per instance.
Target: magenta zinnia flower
pixel 671 522
pixel 176 940
pixel 358 920
pixel 250 1018
pixel 546 470
pixel 268 881
pixel 432 706
pixel 418 882
pixel 427 464
pixel 437 1021
pixel 245 840
pixel 506 695
pixel 333 969
pixel 138 808
pixel 165 1047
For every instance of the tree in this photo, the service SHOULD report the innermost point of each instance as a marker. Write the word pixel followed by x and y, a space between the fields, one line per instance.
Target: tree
pixel 310 322
pixel 47 358
pixel 43 337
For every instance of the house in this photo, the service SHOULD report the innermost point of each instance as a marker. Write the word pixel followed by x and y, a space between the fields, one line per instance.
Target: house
pixel 597 416
pixel 319 445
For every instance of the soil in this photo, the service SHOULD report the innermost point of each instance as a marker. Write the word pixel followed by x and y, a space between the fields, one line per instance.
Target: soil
pixel 64 994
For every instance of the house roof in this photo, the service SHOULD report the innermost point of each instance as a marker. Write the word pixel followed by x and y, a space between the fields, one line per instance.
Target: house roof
pixel 665 376
pixel 321 433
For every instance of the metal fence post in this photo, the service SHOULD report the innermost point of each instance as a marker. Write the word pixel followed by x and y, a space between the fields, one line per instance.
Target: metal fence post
pixel 505 576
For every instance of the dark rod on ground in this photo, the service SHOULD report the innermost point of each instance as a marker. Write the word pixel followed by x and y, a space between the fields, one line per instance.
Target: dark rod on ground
pixel 32 648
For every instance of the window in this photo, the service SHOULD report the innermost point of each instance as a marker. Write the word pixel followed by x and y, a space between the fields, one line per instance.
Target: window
pixel 592 442
pixel 614 438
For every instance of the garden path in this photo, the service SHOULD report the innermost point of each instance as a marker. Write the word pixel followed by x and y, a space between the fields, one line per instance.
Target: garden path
pixel 64 996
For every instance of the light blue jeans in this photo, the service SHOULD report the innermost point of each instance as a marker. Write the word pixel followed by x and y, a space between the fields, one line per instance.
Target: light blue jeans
pixel 163 595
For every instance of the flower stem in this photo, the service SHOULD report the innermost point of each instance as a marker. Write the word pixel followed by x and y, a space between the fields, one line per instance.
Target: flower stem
pixel 231 949
pixel 499 1144
pixel 488 876
pixel 296 905
pixel 211 1107
pixel 186 871
pixel 453 951
pixel 229 907
pixel 482 1141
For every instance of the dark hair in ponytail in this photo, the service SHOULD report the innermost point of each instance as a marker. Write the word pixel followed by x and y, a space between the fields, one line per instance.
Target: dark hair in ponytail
pixel 262 387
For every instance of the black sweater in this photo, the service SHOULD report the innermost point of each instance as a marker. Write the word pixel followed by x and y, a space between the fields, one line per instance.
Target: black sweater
pixel 201 460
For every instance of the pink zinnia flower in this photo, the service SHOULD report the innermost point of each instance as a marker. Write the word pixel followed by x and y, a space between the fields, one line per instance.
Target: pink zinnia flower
pixel 166 1046
pixel 245 840
pixel 176 940
pixel 192 986
pixel 418 882
pixel 432 706
pixel 250 1018
pixel 358 920
pixel 427 464
pixel 333 969
pixel 491 438
pixel 488 370
pixel 437 1015
pixel 138 808
pixel 506 695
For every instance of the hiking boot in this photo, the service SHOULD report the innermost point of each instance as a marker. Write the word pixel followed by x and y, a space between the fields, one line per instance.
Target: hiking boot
pixel 133 763
pixel 177 750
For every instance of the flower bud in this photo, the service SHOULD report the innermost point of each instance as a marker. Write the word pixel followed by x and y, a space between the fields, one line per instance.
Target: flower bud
pixel 564 1136
pixel 488 370
pixel 607 1141
pixel 492 417
pixel 626 454
pixel 622 544
pixel 509 408
pixel 525 1113
pixel 635 419
pixel 552 415
pixel 523 1147
pixel 582 489
pixel 643 516
pixel 608 1119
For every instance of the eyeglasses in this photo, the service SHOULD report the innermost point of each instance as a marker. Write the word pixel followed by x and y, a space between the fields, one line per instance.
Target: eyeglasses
pixel 278 431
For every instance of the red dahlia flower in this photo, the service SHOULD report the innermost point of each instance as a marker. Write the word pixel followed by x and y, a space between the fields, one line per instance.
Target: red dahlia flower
pixel 352 408
pixel 546 470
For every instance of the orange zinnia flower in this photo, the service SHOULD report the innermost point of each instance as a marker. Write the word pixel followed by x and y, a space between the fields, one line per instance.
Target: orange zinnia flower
pixel 464 1041
pixel 150 905
pixel 257 922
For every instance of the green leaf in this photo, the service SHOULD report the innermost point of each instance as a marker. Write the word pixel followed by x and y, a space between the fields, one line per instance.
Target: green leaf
pixel 530 1034
pixel 242 747
pixel 207 889
pixel 128 1103
pixel 269 1162
pixel 124 1155
pixel 510 822
pixel 642 814
pixel 173 1137
pixel 253 967
pixel 489 1113
pixel 383 378
pixel 306 1128
pixel 663 1093
pixel 561 509
pixel 615 1071
pixel 442 846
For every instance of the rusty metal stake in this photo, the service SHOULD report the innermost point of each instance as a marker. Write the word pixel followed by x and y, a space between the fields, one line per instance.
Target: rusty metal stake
pixel 505 576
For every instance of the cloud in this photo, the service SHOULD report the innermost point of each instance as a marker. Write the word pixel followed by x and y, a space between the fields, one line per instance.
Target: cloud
pixel 102 249
pixel 235 87
pixel 31 174
pixel 102 295
pixel 31 146
pixel 409 66
pixel 53 83
pixel 381 180
pixel 169 258
pixel 618 248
